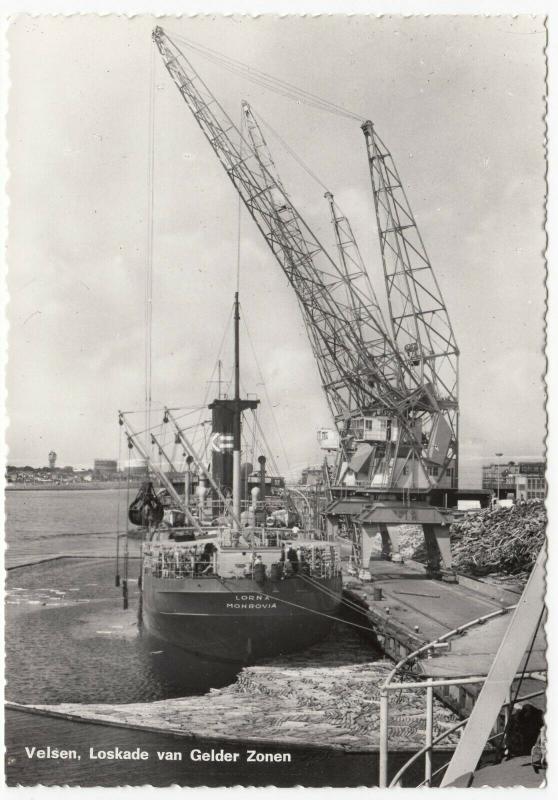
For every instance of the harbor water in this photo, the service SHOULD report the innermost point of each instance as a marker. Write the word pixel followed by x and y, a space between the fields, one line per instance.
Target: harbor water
pixel 69 640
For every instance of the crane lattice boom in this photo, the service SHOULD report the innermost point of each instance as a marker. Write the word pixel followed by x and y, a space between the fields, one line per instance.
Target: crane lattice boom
pixel 373 381
pixel 421 325
pixel 313 274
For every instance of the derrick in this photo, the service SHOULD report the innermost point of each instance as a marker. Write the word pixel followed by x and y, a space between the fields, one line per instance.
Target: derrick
pixel 420 321
pixel 392 390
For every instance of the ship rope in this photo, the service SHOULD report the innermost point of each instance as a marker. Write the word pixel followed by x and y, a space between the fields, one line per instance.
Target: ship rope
pixel 267 447
pixel 255 443
pixel 117 564
pixel 250 440
pixel 303 608
pixel 126 541
pixel 350 604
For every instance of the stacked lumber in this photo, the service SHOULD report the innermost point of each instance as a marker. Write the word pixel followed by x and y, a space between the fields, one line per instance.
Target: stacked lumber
pixel 499 540
pixel 328 694
pixel 411 541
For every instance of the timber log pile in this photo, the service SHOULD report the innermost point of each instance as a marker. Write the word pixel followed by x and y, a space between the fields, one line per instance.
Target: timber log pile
pixel 500 540
pixel 411 541
pixel 328 694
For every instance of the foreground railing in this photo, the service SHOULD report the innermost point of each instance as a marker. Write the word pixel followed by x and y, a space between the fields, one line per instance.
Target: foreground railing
pixel 431 742
pixel 428 685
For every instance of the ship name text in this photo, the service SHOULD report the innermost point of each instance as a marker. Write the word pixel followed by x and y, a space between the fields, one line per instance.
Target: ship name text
pixel 251 601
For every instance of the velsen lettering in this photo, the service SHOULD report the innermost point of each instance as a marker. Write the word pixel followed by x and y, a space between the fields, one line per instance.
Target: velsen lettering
pixel 52 752
pixel 118 754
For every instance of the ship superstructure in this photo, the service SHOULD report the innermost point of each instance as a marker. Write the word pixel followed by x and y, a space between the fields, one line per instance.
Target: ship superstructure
pixel 238 579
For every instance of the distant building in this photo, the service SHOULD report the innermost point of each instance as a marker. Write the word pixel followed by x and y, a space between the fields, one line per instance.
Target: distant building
pixel 105 469
pixel 139 472
pixel 530 487
pixel 507 478
pixel 52 459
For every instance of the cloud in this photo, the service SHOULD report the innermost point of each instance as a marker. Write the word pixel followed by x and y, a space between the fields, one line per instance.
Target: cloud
pixel 469 152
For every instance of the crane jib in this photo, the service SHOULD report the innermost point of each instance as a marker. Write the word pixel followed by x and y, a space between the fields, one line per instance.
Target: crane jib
pixel 407 375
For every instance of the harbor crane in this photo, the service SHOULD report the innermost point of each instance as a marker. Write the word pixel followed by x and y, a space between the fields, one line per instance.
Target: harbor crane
pixel 391 388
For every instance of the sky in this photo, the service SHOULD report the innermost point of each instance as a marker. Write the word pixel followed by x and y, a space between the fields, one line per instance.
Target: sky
pixel 460 103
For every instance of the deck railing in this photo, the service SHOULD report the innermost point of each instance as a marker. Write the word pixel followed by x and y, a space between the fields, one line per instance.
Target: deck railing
pixel 170 561
pixel 185 560
pixel 390 685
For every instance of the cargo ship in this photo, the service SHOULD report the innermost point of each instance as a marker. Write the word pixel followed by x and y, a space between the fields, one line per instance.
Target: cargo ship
pixel 243 579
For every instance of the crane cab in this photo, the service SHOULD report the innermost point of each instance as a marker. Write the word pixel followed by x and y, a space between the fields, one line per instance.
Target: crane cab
pixel 374 429
pixel 328 439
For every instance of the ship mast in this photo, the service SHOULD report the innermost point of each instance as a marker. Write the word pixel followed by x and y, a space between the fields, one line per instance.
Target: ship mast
pixel 237 422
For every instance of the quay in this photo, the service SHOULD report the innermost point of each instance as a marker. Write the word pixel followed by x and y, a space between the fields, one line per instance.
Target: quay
pixel 406 610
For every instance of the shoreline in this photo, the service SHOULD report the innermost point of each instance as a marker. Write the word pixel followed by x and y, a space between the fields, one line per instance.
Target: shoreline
pixel 72 487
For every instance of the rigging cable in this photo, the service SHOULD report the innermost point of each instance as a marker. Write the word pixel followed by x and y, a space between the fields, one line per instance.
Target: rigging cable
pixel 267 447
pixel 117 565
pixel 150 244
pixel 291 152
pixel 126 550
pixel 239 203
pixel 210 381
pixel 304 608
pixel 265 79
pixel 268 399
pixel 344 601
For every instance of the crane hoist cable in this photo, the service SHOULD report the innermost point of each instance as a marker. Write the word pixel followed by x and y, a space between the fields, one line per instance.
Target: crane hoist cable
pixel 300 161
pixel 215 366
pixel 267 397
pixel 148 302
pixel 290 150
pixel 266 80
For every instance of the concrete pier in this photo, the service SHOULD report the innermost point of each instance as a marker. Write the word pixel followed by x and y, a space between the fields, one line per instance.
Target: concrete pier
pixel 406 610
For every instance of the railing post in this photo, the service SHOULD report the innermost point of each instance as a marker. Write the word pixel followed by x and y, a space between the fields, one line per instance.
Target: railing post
pixel 429 733
pixel 384 717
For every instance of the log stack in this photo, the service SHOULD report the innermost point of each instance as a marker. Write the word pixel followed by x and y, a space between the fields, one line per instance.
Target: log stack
pixel 500 542
pixel 503 541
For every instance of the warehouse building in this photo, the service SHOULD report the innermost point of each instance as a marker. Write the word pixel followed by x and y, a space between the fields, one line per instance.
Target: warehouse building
pixel 524 480
pixel 105 469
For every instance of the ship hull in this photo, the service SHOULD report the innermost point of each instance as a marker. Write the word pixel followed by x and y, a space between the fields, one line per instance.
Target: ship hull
pixel 240 620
